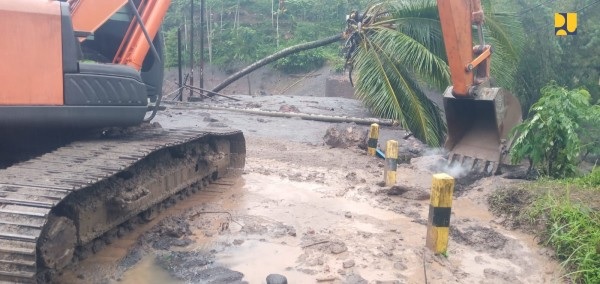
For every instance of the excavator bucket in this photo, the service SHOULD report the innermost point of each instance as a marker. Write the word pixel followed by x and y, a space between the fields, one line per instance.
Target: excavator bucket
pixel 478 128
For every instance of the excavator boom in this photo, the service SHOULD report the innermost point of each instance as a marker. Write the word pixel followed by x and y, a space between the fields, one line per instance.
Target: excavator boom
pixel 479 117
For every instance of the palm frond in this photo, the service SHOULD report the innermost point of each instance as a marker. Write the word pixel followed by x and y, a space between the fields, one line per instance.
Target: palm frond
pixel 389 88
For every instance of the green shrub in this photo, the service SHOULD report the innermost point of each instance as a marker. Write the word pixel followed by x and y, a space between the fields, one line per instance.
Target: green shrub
pixel 551 137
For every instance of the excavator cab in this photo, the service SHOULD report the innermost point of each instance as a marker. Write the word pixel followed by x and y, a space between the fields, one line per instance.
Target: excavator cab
pixel 479 116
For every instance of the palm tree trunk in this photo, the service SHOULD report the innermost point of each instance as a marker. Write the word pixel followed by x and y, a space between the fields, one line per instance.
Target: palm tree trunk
pixel 274 57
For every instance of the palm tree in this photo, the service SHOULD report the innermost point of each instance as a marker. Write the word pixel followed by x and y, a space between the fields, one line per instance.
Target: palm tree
pixel 395 50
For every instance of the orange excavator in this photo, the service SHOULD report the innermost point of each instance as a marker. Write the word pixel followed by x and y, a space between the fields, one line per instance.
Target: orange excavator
pixel 479 117
pixel 74 66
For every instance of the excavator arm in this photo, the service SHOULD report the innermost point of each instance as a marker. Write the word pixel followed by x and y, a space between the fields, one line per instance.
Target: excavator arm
pixel 479 116
pixel 89 15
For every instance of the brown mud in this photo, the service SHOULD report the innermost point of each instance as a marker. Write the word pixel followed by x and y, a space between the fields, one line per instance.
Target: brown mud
pixel 317 214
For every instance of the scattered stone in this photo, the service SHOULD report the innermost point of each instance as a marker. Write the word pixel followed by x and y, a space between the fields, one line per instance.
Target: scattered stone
pixel 181 242
pixel 238 242
pixel 276 279
pixel 355 279
pixel 308 271
pixel 344 136
pixel 399 266
pixel 397 190
pixel 217 124
pixel 348 263
pixel 291 231
pixel 348 214
pixel 210 119
pixel 326 278
pixel 289 108
pixel 338 247
pixel 387 249
pixel 387 282
pixel 80 276
pixel 365 235
pixel 253 105
pixel 351 176
pixel 261 120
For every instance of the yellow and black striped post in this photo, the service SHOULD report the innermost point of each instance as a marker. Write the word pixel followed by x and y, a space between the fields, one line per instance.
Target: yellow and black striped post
pixel 438 224
pixel 391 162
pixel 373 136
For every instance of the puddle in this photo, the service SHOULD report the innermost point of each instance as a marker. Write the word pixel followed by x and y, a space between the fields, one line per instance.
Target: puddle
pixel 148 272
pixel 306 198
pixel 258 259
pixel 380 241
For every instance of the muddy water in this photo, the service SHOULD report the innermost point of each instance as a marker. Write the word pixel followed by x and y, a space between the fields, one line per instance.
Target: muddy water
pixel 312 210
pixel 147 272
pixel 257 259
pixel 303 206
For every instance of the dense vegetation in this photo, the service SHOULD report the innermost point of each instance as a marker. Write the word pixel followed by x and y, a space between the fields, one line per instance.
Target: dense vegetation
pixel 239 32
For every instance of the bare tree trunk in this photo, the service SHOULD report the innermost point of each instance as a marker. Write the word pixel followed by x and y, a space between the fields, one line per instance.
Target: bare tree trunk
pixel 209 33
pixel 277 29
pixel 274 57
pixel 272 13
pixel 307 116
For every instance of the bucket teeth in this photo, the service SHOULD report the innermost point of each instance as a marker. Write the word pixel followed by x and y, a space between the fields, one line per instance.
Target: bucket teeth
pixel 472 164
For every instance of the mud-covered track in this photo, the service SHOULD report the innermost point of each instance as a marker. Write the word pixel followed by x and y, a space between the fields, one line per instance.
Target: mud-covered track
pixel 36 193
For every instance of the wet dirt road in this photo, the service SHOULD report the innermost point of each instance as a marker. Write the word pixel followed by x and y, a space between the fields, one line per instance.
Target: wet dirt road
pixel 316 215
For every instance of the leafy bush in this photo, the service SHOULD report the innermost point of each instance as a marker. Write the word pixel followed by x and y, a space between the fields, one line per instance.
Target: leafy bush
pixel 551 137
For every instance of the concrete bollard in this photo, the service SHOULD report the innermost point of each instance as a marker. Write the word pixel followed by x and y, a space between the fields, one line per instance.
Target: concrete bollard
pixel 391 162
pixel 438 225
pixel 373 137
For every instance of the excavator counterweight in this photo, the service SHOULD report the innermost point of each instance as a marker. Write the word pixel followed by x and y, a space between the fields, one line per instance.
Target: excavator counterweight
pixel 479 117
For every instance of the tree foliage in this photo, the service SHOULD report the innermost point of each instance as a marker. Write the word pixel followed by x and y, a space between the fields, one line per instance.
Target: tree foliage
pixel 551 137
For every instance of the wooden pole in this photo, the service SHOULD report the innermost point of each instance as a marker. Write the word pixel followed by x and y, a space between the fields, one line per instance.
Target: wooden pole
pixel 391 162
pixel 438 225
pixel 179 64
pixel 191 46
pixel 373 136
pixel 202 21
